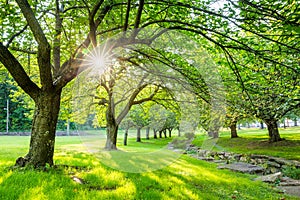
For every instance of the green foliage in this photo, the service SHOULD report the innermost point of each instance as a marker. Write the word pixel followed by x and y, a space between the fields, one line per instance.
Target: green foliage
pixel 20 107
pixel 292 172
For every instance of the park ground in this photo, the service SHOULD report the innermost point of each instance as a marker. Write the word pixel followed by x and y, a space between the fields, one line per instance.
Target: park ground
pixel 80 174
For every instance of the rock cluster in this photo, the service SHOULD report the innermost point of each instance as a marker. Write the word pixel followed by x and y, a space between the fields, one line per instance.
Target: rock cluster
pixel 269 164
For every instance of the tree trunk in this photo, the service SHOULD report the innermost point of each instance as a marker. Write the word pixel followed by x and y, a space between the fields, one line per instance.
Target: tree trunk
pixel 295 122
pixel 216 134
pixel 147 133
pixel 179 133
pixel 170 132
pixel 165 133
pixel 213 134
pixel 111 136
pixel 274 135
pixel 42 139
pixel 160 134
pixel 138 135
pixel 125 137
pixel 233 130
pixel 262 125
pixel 154 134
pixel 111 129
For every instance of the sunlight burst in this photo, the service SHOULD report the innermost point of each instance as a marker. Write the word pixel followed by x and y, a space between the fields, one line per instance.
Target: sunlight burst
pixel 99 59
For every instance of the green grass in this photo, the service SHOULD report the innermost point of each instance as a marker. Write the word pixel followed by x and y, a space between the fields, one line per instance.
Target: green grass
pixel 255 141
pixel 185 178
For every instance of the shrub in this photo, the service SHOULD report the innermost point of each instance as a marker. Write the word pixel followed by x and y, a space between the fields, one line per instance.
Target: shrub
pixel 292 172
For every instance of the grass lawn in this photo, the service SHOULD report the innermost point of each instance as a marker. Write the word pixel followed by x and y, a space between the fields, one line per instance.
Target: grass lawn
pixel 255 141
pixel 184 178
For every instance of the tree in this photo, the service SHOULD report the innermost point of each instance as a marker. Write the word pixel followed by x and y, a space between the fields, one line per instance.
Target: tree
pixel 140 120
pixel 115 92
pixel 126 124
pixel 50 31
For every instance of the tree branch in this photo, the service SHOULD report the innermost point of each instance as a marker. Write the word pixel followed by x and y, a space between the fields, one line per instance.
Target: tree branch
pixel 18 73
pixel 43 45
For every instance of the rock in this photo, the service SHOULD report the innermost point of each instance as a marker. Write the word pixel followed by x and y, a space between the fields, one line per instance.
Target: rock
pixel 274 170
pixel 253 161
pixel 286 181
pixel 77 180
pixel 206 158
pixel 253 156
pixel 237 157
pixel 271 178
pixel 281 161
pixel 260 161
pixel 202 153
pixel 243 167
pixel 243 159
pixel 291 190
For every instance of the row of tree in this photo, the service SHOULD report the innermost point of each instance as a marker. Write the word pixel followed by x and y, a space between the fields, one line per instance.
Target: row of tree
pixel 47 44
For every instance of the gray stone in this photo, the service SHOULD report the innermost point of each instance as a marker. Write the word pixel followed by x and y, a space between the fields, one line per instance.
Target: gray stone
pixel 202 153
pixel 243 167
pixel 291 190
pixel 254 156
pixel 286 181
pixel 244 159
pixel 237 156
pixel 271 178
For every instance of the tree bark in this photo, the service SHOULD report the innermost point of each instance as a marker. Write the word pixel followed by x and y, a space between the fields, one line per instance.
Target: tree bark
pixel 147 133
pixel 295 122
pixel 160 134
pixel 165 133
pixel 274 135
pixel 43 131
pixel 262 125
pixel 170 132
pixel 154 134
pixel 179 133
pixel 138 135
pixel 111 136
pixel 125 137
pixel 233 130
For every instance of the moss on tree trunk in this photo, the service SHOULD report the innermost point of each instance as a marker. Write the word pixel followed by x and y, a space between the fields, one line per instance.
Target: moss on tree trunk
pixel 274 135
pixel 42 140
pixel 233 130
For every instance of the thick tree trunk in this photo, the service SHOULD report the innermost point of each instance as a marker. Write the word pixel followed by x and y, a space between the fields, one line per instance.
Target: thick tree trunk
pixel 111 136
pixel 274 135
pixel 295 122
pixel 147 133
pixel 111 127
pixel 233 130
pixel 125 137
pixel 43 131
pixel 138 135
pixel 154 134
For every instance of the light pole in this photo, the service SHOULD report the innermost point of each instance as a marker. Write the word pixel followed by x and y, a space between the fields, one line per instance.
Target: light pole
pixel 7 115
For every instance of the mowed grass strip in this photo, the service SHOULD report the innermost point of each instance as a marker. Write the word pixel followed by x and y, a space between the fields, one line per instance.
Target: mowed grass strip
pixel 186 178
pixel 255 141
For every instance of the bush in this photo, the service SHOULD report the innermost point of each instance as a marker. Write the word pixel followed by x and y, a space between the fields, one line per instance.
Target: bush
pixel 292 172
